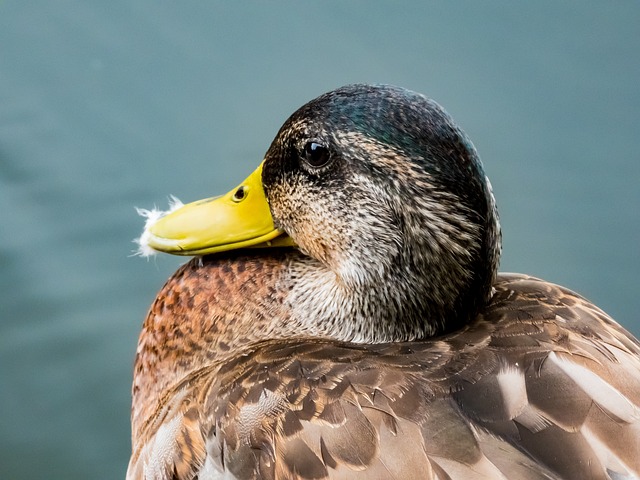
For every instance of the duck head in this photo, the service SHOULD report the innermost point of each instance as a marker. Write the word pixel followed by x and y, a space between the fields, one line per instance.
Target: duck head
pixel 387 201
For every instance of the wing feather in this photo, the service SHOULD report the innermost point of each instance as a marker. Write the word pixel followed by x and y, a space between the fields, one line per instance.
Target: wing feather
pixel 542 385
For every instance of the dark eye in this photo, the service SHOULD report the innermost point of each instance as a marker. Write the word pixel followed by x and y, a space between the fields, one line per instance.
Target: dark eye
pixel 316 154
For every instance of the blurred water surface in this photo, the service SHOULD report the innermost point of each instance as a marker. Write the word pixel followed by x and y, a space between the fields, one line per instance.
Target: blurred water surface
pixel 109 105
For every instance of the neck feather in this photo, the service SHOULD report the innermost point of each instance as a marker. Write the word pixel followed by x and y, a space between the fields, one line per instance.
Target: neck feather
pixel 423 290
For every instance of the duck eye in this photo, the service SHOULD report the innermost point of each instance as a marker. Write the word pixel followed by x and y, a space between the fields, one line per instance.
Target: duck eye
pixel 316 154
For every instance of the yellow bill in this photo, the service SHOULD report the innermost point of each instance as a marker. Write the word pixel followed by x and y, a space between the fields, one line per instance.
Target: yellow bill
pixel 239 219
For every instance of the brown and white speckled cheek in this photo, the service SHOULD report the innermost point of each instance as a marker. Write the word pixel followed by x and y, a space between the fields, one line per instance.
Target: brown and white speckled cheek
pixel 304 217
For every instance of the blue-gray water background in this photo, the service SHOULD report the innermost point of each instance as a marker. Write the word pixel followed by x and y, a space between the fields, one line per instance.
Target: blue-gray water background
pixel 109 105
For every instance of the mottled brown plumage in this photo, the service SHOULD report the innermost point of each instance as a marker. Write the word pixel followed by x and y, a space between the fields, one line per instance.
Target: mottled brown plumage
pixel 319 363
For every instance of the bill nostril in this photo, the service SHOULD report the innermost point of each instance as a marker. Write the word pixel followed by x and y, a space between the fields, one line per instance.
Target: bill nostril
pixel 240 194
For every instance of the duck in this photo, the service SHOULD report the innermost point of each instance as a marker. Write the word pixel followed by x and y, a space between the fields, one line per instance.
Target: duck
pixel 343 317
